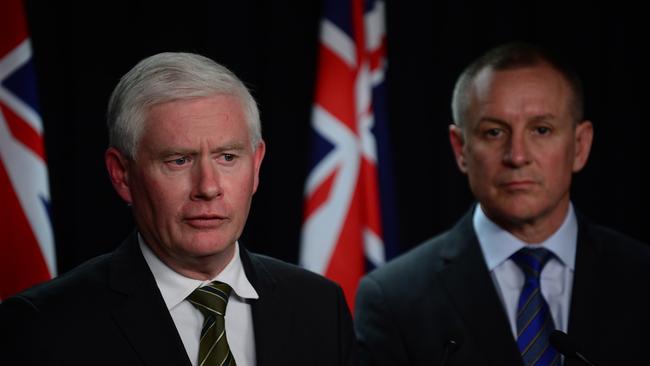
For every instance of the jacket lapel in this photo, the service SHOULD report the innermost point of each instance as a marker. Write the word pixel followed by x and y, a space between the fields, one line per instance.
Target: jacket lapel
pixel 471 290
pixel 583 321
pixel 271 312
pixel 140 310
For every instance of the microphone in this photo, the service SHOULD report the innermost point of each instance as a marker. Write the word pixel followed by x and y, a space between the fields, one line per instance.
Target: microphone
pixel 450 347
pixel 567 347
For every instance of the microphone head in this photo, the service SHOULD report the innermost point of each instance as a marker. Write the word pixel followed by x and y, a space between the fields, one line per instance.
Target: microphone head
pixel 454 341
pixel 452 344
pixel 563 343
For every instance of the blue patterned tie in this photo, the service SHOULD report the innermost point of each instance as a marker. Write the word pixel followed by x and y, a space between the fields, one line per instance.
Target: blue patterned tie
pixel 534 320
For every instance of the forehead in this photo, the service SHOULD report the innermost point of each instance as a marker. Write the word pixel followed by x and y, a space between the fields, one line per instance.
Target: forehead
pixel 532 89
pixel 214 118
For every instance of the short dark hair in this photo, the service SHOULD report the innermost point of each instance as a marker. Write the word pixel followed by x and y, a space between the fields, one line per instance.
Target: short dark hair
pixel 513 56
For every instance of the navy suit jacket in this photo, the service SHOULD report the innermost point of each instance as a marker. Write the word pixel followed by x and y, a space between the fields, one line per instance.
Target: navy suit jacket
pixel 410 310
pixel 109 311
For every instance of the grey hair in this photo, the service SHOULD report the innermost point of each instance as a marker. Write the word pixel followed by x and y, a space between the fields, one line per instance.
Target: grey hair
pixel 167 77
pixel 513 56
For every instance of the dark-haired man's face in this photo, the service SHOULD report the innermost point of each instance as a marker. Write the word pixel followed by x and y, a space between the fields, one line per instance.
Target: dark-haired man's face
pixel 520 145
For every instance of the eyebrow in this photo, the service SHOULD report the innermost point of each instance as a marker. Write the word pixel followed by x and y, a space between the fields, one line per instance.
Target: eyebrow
pixel 537 118
pixel 235 146
pixel 183 151
pixel 492 120
pixel 542 117
pixel 480 125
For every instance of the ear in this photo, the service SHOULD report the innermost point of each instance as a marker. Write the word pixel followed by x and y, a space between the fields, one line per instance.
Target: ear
pixel 117 166
pixel 258 156
pixel 457 145
pixel 584 135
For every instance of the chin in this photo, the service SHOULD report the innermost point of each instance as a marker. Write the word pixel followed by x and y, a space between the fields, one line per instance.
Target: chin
pixel 206 246
pixel 517 210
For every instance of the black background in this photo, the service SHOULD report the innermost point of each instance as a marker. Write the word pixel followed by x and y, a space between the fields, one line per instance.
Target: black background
pixel 81 51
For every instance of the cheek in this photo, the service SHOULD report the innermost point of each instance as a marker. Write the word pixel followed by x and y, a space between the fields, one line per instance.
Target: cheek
pixel 559 162
pixel 482 163
pixel 479 177
pixel 160 198
pixel 239 189
pixel 561 174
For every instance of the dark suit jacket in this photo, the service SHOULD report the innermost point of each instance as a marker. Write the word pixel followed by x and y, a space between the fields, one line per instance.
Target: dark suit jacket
pixel 109 311
pixel 409 310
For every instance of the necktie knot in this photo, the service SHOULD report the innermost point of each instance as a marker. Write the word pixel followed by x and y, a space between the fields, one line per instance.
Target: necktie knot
pixel 211 299
pixel 531 261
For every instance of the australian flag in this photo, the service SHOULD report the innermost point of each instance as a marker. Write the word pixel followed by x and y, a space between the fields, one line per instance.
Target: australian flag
pixel 26 239
pixel 349 217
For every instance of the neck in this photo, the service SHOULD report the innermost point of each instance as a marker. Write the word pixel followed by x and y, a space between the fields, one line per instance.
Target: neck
pixel 201 268
pixel 204 268
pixel 535 230
pixel 530 233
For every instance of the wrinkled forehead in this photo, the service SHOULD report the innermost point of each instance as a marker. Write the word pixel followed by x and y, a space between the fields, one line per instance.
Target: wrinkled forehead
pixel 215 118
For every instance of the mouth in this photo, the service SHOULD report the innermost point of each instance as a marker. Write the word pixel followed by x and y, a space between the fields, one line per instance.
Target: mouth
pixel 515 185
pixel 205 221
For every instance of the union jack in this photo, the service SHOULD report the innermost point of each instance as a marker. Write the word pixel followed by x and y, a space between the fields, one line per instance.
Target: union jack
pixel 26 238
pixel 348 227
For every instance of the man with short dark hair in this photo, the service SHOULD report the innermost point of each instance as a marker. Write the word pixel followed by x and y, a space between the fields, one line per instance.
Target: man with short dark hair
pixel 522 262
pixel 185 152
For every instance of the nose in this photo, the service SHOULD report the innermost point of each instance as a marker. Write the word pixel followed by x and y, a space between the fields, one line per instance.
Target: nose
pixel 517 152
pixel 206 182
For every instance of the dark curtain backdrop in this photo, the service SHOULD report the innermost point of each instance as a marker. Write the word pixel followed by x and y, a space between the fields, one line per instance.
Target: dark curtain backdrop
pixel 81 51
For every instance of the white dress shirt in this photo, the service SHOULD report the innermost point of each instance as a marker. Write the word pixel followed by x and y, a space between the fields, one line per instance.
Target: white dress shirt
pixel 175 288
pixel 556 278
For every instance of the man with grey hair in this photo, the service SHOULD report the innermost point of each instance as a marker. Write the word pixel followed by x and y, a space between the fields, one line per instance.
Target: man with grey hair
pixel 185 153
pixel 522 263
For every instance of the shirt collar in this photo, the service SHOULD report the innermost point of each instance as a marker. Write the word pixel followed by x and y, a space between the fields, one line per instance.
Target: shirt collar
pixel 175 287
pixel 562 243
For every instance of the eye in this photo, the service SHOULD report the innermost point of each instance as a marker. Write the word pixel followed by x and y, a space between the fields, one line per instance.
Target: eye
pixel 493 132
pixel 542 130
pixel 229 157
pixel 180 161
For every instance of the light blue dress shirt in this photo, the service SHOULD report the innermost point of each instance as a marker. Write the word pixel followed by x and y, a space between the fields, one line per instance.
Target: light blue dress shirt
pixel 556 278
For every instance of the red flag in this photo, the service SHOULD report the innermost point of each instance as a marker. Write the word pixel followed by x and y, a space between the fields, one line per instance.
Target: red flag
pixel 26 239
pixel 343 231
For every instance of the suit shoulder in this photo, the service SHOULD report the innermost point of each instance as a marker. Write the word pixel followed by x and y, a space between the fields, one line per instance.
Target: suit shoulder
pixel 617 245
pixel 427 257
pixel 63 289
pixel 283 271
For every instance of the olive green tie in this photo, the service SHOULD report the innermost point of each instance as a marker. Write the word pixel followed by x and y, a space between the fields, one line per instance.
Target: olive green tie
pixel 211 300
